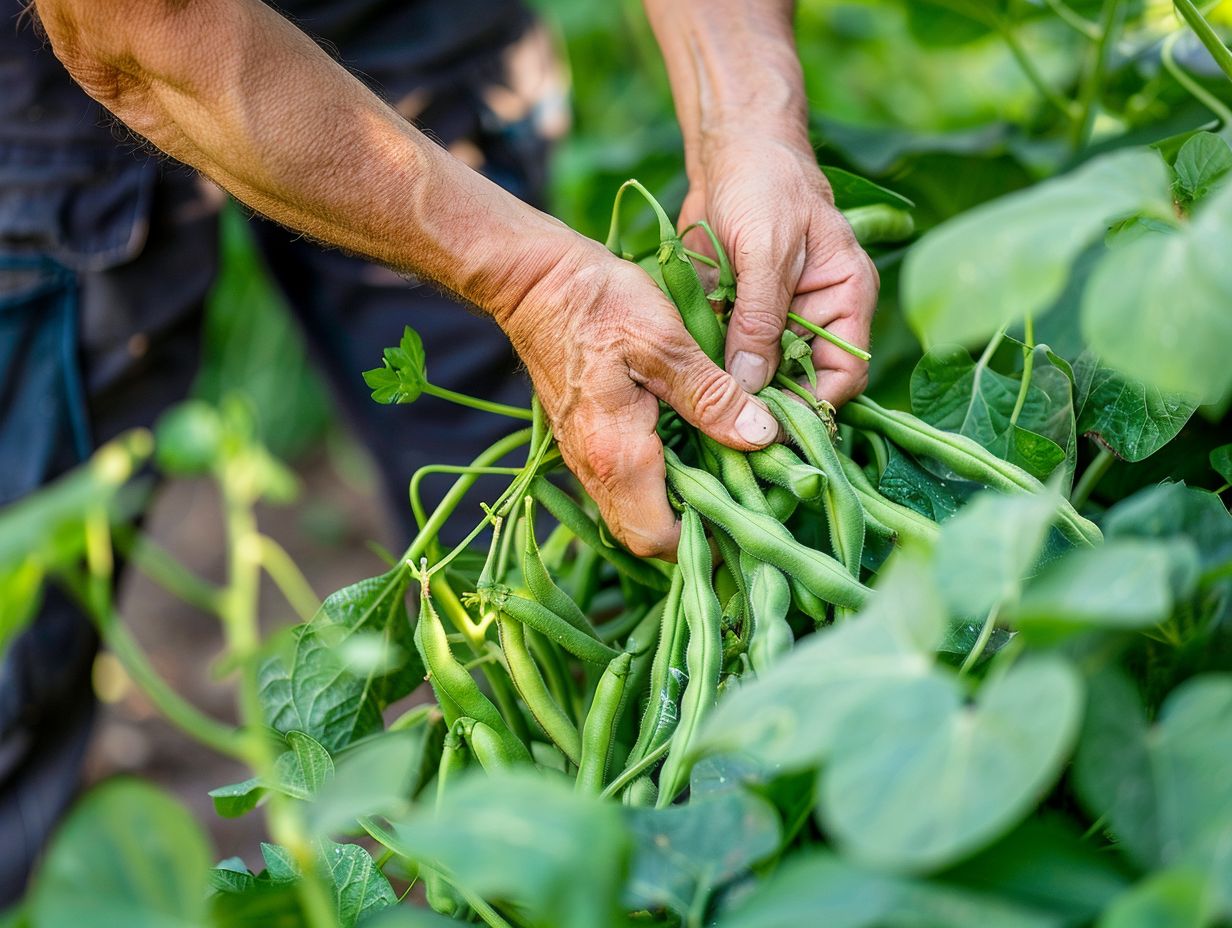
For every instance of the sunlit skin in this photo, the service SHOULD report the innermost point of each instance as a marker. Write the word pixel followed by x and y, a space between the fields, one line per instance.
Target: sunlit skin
pixel 236 91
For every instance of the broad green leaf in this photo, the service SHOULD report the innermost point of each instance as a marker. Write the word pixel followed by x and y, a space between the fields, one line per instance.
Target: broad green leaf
pixel 376 777
pixel 231 876
pixel 1124 583
pixel 819 888
pixel 526 839
pixel 954 776
pixel 1221 462
pixel 358 887
pixel 852 190
pixel 1047 865
pixel 1157 307
pixel 953 392
pixel 1169 899
pixel 128 856
pixel 1166 789
pixel 409 916
pixel 1173 510
pixel 986 550
pixel 682 853
pixel 305 769
pixel 1127 416
pixel 906 482
pixel 1202 163
pixel 314 690
pixel 404 375
pixel 886 649
pixel 998 262
pixel 954 23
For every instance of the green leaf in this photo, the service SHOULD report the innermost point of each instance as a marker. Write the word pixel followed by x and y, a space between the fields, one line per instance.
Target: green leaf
pixel 280 866
pixel 1201 164
pixel 376 777
pixel 1221 462
pixel 1124 583
pixel 1170 899
pixel 906 482
pixel 231 876
pixel 998 262
pixel 954 776
pixel 1166 788
pixel 316 691
pixel 818 888
pixel 21 593
pixel 359 887
pixel 887 650
pixel 305 769
pixel 526 839
pixel 404 376
pixel 1127 416
pixel 985 551
pixel 237 799
pixel 852 191
pixel 1157 307
pixel 1175 511
pixel 128 856
pixel 683 853
pixel 1047 865
pixel 952 392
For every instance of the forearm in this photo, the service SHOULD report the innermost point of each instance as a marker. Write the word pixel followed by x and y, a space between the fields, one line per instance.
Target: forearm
pixel 236 91
pixel 734 72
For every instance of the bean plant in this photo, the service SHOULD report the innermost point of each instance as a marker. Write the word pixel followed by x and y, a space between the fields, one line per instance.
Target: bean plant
pixel 943 657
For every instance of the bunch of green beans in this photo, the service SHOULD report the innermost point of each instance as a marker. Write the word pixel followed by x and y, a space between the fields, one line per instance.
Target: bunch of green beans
pixel 588 662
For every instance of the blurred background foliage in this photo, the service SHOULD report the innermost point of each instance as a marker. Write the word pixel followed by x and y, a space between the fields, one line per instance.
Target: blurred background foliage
pixel 949 102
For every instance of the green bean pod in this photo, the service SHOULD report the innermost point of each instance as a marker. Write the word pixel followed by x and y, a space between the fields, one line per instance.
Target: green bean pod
pixel 486 745
pixel 599 730
pixel 567 512
pixel 844 512
pixel 902 520
pixel 965 457
pixel 704 657
pixel 879 222
pixel 551 718
pixel 769 601
pixel 783 503
pixel 737 476
pixel 686 290
pixel 668 676
pixel 779 466
pixel 450 678
pixel 540 583
pixel 764 538
pixel 546 622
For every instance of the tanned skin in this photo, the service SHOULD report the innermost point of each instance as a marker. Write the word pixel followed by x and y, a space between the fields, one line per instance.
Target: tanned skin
pixel 233 89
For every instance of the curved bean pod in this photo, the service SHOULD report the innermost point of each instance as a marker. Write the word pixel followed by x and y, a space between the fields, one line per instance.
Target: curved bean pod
pixel 599 729
pixel 524 672
pixel 548 623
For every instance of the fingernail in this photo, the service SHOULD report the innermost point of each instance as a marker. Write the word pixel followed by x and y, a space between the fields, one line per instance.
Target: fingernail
pixel 755 424
pixel 750 370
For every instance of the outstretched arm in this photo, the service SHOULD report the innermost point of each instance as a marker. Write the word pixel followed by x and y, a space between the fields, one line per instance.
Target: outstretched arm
pixel 233 89
pixel 739 94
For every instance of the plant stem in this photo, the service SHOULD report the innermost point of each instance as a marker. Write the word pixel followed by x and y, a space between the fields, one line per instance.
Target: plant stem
pixel 289 579
pixel 1093 78
pixel 474 402
pixel 1074 19
pixel 629 774
pixel 1091 477
pixel 981 642
pixel 1028 362
pixel 1025 64
pixel 788 384
pixel 166 571
pixel 829 336
pixel 1167 55
pixel 1206 35
pixel 96 597
pixel 417 506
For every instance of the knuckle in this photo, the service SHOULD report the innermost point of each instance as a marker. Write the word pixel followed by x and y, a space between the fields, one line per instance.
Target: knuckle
pixel 758 323
pixel 713 393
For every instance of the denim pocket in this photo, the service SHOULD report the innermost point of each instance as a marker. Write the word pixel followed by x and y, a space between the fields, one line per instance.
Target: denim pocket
pixel 43 415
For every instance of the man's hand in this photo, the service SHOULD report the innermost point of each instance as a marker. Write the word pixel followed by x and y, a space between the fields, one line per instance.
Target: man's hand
pixel 773 210
pixel 603 346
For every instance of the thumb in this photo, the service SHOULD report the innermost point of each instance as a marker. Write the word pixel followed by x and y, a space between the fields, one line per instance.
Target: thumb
pixel 756 327
pixel 678 372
